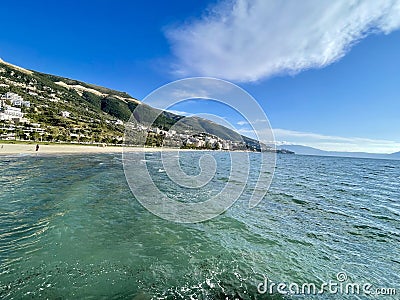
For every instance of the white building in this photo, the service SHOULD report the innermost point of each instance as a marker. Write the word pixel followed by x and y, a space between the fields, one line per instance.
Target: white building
pixel 226 145
pixel 211 140
pixel 65 114
pixel 15 99
pixel 12 114
pixel 11 96
pixel 200 143
pixel 158 130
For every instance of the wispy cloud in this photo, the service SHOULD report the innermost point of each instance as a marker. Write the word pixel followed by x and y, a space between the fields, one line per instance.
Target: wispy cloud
pixel 241 123
pixel 247 40
pixel 180 112
pixel 257 121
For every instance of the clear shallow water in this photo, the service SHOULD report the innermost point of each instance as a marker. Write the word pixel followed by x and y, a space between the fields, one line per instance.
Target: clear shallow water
pixel 70 228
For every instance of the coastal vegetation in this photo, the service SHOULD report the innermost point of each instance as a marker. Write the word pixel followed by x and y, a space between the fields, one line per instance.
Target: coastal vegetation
pixel 39 107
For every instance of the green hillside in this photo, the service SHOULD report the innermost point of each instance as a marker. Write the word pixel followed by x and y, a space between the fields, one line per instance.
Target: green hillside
pixel 68 110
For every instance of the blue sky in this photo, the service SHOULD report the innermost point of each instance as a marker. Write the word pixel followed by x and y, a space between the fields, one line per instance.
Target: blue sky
pixel 327 74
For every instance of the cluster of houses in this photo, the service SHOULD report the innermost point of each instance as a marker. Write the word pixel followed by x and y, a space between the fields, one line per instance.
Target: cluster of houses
pixel 10 107
pixel 205 140
pixel 11 111
pixel 188 139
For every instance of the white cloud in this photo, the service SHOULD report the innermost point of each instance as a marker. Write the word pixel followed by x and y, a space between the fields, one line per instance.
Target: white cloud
pixel 180 112
pixel 241 123
pixel 246 40
pixel 335 143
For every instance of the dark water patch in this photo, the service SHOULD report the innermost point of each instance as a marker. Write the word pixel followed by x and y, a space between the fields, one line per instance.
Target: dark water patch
pixel 366 227
pixel 365 208
pixel 316 236
pixel 389 167
pixel 298 201
pixel 396 261
pixel 355 233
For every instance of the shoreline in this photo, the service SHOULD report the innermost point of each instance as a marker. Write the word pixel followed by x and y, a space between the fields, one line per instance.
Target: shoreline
pixel 47 149
pixel 30 149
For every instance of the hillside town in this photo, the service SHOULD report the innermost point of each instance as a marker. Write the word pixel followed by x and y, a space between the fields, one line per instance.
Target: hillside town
pixel 37 107
pixel 14 125
pixel 156 137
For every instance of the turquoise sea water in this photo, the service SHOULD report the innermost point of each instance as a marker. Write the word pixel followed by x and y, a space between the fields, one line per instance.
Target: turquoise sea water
pixel 71 229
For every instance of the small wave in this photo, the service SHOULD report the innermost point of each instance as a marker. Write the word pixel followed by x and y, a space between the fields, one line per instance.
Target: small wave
pixel 298 201
pixel 348 184
pixel 224 179
pixel 298 241
pixel 389 167
pixel 381 217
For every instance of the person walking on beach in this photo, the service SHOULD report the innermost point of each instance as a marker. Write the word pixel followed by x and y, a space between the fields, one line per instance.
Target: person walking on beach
pixel 37 147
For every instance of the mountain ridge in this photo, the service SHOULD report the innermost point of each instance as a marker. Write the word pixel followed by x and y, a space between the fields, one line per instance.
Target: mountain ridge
pixel 306 150
pixel 67 108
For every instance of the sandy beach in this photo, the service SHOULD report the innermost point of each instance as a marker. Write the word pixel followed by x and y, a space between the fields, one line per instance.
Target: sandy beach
pixel 9 149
